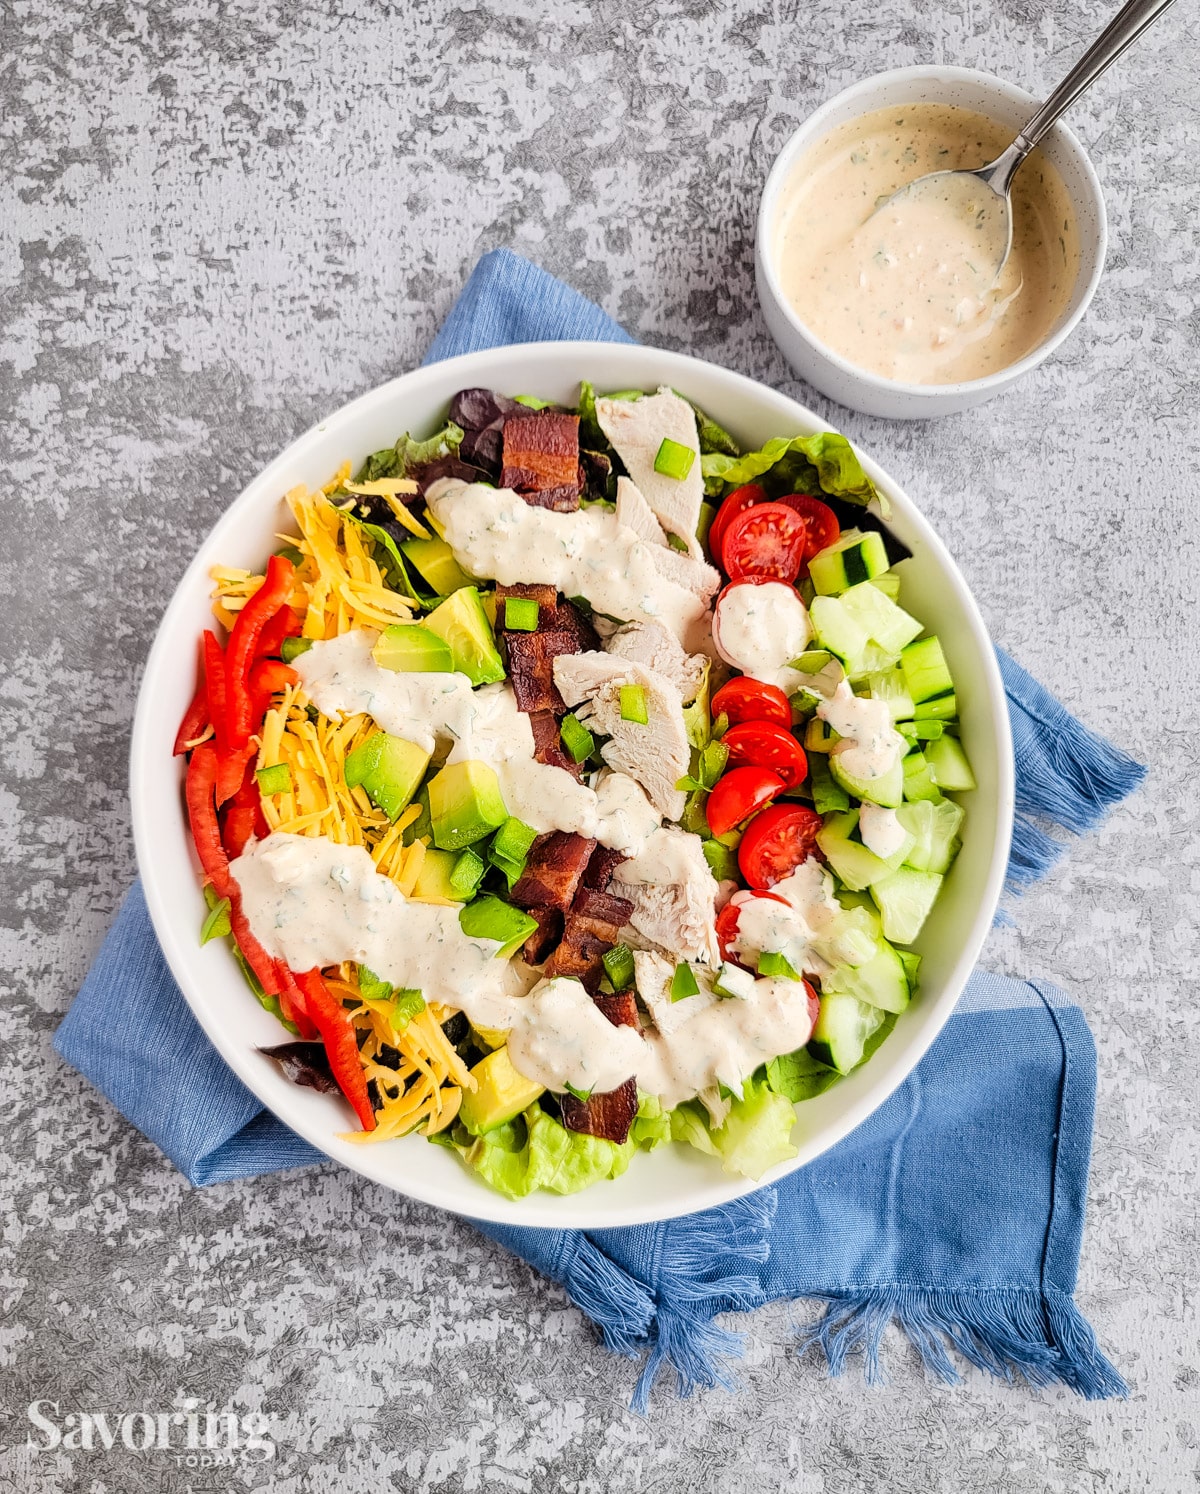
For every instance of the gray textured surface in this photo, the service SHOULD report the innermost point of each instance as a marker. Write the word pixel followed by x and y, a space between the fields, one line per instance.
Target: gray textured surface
pixel 218 222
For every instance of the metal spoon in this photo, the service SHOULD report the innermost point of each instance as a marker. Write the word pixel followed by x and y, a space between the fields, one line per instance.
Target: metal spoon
pixel 992 207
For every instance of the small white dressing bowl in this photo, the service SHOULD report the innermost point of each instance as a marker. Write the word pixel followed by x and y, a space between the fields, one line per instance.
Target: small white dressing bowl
pixel 872 393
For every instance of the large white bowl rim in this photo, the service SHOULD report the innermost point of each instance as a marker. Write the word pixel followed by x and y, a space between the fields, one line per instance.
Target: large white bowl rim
pixel 674 1180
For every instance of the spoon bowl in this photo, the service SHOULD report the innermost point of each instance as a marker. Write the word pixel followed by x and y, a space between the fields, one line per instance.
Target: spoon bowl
pixel 983 198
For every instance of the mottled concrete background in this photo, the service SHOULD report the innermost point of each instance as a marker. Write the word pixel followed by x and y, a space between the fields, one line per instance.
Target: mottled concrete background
pixel 220 221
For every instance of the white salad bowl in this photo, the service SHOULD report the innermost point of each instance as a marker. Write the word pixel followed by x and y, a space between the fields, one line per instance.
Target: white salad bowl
pixel 996 98
pixel 674 1179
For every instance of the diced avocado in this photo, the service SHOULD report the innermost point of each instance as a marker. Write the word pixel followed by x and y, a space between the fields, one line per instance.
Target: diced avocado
pixel 850 860
pixel 389 768
pixel 500 1093
pixel 838 631
pixel 934 827
pixel 855 557
pixel 904 900
pixel 880 982
pixel 949 766
pixel 841 1031
pixel 467 874
pixel 436 563
pixel 925 669
pixel 888 789
pixel 491 917
pixel 465 804
pixel 410 648
pixel 422 827
pixel 491 1037
pixel 462 622
pixel 433 884
pixel 918 780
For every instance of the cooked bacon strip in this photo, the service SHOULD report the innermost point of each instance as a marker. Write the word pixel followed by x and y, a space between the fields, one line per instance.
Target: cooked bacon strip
pixel 531 659
pixel 545 936
pixel 553 871
pixel 589 932
pixel 569 619
pixel 548 747
pixel 610 1115
pixel 541 457
pixel 562 500
pixel 601 867
pixel 620 1008
pixel 545 596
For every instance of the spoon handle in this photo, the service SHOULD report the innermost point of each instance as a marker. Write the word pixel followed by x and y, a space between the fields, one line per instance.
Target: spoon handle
pixel 1120 33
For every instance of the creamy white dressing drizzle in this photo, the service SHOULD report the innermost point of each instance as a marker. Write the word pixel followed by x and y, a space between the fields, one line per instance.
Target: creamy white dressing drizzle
pixel 589 553
pixel 341 676
pixel 880 830
pixel 805 928
pixel 758 629
pixel 870 747
pixel 312 902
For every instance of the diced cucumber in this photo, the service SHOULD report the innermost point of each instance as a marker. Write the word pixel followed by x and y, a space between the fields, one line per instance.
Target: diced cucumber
pixel 880 982
pixel 850 860
pixel 918 779
pixel 874 659
pixel 949 766
pixel 879 617
pixel 837 631
pixel 904 899
pixel 941 708
pixel 925 669
pixel 862 902
pixel 827 795
pixel 912 964
pixel 934 828
pixel 841 1031
pixel 891 686
pixel 889 584
pixel 855 557
pixel 887 790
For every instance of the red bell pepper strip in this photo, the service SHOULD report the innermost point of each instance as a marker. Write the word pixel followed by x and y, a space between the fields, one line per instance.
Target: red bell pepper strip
pixel 243 816
pixel 264 967
pixel 268 676
pixel 243 644
pixel 195 719
pixel 200 793
pixel 337 1033
pixel 285 624
pixel 231 770
pixel 215 687
pixel 291 1004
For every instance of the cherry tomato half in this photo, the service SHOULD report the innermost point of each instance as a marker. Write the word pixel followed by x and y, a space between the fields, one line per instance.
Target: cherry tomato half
pixel 744 699
pixel 737 502
pixel 738 794
pixel 727 925
pixel 776 842
pixel 820 522
pixel 765 744
pixel 765 543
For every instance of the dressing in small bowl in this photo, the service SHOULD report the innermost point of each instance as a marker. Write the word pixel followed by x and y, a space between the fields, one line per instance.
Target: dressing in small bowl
pixel 906 289
pixel 883 305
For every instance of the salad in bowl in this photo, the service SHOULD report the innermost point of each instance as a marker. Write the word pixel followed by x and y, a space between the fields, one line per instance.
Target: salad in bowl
pixel 571 783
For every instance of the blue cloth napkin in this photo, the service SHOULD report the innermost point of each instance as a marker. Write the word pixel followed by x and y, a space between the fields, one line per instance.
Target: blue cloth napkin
pixel 955 1211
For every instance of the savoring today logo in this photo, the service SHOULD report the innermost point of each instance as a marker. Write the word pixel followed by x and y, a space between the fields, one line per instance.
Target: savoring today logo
pixel 196 1438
